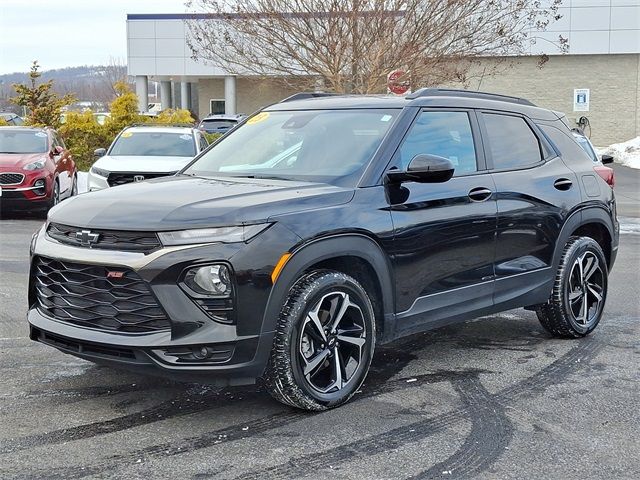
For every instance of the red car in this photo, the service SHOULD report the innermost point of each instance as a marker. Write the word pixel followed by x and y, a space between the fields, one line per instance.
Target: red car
pixel 36 170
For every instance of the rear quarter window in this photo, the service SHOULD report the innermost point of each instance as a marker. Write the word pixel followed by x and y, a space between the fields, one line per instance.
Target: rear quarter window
pixel 566 144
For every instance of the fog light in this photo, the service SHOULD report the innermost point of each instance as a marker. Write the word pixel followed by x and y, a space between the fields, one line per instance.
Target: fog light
pixel 210 280
pixel 40 187
pixel 201 353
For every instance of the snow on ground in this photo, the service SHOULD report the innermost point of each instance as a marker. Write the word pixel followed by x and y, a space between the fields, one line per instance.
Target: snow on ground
pixel 626 153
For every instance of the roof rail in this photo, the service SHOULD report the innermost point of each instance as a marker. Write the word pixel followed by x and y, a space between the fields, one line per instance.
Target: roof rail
pixel 450 92
pixel 151 124
pixel 306 95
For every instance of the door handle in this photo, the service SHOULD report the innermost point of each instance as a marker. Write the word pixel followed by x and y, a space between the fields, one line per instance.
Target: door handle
pixel 480 194
pixel 563 184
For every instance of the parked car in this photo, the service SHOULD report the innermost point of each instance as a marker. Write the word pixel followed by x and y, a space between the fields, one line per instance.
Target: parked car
pixel 389 216
pixel 11 118
pixel 605 172
pixel 220 123
pixel 36 169
pixel 142 152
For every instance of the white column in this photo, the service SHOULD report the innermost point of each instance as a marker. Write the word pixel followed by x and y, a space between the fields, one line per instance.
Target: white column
pixel 142 91
pixel 230 95
pixel 185 96
pixel 165 94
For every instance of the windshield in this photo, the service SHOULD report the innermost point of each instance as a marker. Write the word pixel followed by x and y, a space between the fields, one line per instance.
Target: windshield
pixel 586 146
pixel 22 141
pixel 327 146
pixel 157 144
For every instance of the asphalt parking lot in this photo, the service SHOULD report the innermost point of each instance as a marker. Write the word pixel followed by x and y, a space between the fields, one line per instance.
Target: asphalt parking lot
pixel 494 398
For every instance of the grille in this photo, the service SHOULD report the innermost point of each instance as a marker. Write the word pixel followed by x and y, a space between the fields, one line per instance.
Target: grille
pixel 114 179
pixel 83 295
pixel 11 178
pixel 107 239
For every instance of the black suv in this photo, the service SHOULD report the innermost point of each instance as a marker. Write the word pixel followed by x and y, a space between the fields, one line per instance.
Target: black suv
pixel 325 225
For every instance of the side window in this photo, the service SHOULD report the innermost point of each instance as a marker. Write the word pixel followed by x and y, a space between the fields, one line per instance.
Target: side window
pixel 569 148
pixel 57 140
pixel 203 142
pixel 511 141
pixel 447 134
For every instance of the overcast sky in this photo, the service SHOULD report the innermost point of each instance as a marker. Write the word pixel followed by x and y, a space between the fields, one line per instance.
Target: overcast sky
pixel 67 33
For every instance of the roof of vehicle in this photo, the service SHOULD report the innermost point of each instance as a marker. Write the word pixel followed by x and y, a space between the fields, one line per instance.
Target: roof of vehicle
pixel 23 127
pixel 427 97
pixel 159 128
pixel 9 114
pixel 223 116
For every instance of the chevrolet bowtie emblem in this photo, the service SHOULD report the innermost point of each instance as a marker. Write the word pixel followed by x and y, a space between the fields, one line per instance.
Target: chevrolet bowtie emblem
pixel 87 237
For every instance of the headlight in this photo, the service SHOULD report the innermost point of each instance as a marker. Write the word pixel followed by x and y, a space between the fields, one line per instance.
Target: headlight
pixel 100 172
pixel 209 280
pixel 242 233
pixel 37 165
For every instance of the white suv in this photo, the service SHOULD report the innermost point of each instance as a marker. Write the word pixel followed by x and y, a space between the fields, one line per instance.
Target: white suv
pixel 142 152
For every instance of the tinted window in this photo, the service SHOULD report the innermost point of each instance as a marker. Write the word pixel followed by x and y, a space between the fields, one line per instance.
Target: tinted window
pixel 586 146
pixel 566 143
pixel 447 134
pixel 161 144
pixel 203 143
pixel 22 141
pixel 331 146
pixel 511 141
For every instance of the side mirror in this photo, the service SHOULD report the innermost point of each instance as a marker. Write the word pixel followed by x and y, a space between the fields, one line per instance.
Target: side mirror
pixel 606 159
pixel 425 168
pixel 99 152
pixel 58 150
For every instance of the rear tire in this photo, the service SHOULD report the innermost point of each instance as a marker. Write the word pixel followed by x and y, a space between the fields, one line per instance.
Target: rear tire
pixel 577 300
pixel 324 342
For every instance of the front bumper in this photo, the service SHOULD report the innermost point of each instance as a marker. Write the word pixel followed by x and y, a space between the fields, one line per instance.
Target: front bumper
pixel 25 197
pixel 240 350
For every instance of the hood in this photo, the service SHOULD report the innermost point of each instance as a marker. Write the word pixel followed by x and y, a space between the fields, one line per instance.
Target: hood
pixel 15 161
pixel 142 164
pixel 178 203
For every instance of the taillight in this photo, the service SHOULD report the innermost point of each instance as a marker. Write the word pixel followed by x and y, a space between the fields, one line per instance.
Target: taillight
pixel 606 174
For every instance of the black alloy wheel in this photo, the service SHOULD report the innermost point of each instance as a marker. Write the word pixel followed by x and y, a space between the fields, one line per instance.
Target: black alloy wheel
pixel 577 300
pixel 324 342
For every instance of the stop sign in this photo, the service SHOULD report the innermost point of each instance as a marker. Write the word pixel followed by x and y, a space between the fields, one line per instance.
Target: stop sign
pixel 397 83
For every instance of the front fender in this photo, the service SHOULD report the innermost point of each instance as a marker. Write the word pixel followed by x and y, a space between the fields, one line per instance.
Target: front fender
pixel 317 250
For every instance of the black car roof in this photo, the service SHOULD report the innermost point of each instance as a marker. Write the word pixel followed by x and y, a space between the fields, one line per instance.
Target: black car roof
pixel 435 98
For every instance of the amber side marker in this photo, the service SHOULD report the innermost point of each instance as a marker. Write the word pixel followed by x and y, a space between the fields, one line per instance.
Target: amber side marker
pixel 279 266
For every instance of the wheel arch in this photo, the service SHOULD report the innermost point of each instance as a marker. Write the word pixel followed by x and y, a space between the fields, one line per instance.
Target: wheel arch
pixel 354 254
pixel 593 222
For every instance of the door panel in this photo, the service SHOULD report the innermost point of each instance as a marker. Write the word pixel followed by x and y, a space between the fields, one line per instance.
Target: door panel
pixel 535 193
pixel 444 233
pixel 443 239
pixel 532 207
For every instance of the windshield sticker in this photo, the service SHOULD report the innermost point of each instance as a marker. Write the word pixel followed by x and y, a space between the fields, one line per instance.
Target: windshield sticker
pixel 41 135
pixel 258 118
pixel 126 135
pixel 186 136
pixel 386 118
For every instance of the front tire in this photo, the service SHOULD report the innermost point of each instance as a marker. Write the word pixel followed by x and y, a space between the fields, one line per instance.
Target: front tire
pixel 577 300
pixel 324 342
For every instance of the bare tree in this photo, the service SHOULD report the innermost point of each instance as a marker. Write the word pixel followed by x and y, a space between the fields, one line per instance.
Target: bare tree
pixel 351 45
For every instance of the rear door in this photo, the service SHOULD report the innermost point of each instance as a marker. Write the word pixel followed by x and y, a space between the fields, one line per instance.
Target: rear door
pixel 443 248
pixel 535 194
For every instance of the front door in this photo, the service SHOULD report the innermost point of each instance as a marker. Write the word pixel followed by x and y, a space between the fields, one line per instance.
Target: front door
pixel 444 233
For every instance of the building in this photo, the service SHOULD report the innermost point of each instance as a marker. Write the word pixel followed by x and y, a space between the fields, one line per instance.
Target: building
pixel 599 78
